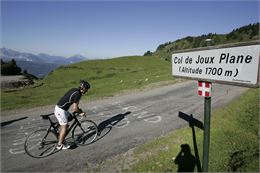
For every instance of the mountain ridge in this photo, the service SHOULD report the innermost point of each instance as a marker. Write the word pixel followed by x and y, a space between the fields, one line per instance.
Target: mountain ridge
pixel 39 65
pixel 241 34
pixel 8 54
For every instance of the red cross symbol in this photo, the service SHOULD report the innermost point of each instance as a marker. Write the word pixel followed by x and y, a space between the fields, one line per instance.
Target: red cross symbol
pixel 204 89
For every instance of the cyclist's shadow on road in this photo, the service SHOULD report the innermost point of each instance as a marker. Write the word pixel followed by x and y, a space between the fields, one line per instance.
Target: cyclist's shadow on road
pixel 106 126
pixel 103 128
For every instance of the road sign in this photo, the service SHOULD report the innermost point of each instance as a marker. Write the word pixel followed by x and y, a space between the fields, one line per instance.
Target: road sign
pixel 235 65
pixel 204 89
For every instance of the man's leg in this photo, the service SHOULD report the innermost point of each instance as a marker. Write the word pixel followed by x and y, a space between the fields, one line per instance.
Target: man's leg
pixel 63 131
pixel 62 117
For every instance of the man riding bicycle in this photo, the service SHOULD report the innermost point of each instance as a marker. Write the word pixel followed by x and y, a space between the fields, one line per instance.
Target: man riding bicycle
pixel 63 115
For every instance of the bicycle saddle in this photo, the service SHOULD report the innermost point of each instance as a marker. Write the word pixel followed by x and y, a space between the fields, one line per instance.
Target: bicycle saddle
pixel 46 116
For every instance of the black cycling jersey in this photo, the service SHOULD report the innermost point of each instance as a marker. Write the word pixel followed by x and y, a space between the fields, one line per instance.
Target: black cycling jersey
pixel 72 96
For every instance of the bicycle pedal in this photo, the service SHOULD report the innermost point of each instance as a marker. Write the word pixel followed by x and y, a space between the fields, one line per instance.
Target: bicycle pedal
pixel 55 132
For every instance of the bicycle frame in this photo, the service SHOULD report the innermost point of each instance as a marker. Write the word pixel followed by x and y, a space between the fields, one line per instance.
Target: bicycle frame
pixel 52 126
pixel 75 122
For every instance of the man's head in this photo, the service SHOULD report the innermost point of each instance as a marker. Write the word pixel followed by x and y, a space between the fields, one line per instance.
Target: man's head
pixel 84 86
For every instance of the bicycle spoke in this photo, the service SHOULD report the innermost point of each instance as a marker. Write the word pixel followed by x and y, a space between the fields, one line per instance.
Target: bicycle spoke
pixel 40 143
pixel 85 133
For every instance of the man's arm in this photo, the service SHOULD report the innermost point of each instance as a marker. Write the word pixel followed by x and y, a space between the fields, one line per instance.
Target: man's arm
pixel 76 108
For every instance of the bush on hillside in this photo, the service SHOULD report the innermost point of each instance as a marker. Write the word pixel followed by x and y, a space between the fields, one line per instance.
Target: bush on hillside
pixel 10 68
pixel 148 53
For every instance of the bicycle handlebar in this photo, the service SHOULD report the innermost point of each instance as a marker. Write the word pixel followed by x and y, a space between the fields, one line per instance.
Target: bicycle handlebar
pixel 76 113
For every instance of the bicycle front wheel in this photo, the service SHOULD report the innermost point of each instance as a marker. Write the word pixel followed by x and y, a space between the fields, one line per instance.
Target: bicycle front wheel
pixel 85 133
pixel 40 143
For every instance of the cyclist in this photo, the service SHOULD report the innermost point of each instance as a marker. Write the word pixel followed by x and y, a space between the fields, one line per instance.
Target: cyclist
pixel 63 115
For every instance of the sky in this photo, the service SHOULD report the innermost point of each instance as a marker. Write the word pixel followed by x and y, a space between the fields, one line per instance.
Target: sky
pixel 107 29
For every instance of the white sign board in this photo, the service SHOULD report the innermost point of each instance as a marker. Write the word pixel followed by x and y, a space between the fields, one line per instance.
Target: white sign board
pixel 238 65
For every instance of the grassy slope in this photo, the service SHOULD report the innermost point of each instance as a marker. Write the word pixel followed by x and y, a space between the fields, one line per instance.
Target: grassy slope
pixel 107 77
pixel 234 144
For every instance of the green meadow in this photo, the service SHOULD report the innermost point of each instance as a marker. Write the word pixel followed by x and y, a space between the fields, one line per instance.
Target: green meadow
pixel 107 77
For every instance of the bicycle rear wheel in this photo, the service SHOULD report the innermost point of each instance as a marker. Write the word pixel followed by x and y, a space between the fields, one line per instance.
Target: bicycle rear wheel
pixel 40 143
pixel 85 133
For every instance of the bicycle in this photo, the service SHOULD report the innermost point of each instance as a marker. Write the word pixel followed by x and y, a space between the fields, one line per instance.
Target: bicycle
pixel 42 143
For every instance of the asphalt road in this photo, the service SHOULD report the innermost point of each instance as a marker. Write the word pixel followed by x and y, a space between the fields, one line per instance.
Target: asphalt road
pixel 153 113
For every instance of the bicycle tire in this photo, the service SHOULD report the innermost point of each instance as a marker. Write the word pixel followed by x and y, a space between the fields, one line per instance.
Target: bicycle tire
pixel 41 143
pixel 85 133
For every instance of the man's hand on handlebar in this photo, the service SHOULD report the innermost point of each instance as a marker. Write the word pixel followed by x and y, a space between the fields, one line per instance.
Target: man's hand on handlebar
pixel 80 113
pixel 83 114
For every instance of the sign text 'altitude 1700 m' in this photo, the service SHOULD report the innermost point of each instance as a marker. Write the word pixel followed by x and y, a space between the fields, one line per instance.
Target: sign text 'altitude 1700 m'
pixel 238 65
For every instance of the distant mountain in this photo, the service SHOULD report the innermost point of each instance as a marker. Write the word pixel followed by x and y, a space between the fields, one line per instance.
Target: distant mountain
pixel 39 65
pixel 52 59
pixel 8 54
pixel 76 58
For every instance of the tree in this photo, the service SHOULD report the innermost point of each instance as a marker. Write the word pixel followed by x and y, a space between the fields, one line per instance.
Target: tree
pixel 25 72
pixel 13 62
pixel 148 53
pixel 10 68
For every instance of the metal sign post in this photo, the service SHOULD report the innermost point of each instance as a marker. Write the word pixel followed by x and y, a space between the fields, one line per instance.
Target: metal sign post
pixel 207 111
pixel 204 89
